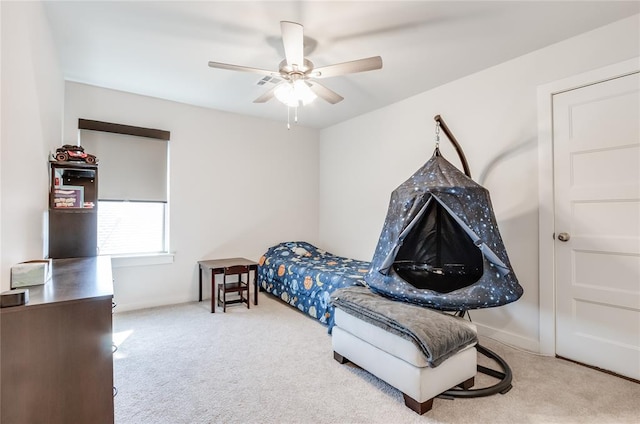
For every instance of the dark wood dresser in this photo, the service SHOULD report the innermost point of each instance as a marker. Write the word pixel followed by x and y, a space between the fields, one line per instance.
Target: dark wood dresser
pixel 56 362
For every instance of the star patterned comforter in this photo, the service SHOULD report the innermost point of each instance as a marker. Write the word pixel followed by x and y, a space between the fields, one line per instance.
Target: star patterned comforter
pixel 304 276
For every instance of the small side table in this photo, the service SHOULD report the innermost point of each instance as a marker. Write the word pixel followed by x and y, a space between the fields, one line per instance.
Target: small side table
pixel 217 266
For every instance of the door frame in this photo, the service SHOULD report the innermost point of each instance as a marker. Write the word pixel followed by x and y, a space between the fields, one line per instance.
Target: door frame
pixel 546 210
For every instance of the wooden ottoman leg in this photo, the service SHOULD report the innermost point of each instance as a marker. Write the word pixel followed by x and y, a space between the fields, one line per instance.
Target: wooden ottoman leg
pixel 339 358
pixel 416 406
pixel 467 384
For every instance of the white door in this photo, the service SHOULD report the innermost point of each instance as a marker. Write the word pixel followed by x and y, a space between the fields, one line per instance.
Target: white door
pixel 596 136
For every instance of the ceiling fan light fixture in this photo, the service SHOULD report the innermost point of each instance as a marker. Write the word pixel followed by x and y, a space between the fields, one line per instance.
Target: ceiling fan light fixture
pixel 294 93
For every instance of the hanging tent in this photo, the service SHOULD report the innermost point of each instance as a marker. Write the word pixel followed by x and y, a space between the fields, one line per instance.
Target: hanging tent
pixel 440 246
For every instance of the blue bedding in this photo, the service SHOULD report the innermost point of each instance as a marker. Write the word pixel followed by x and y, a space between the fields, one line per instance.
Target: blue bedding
pixel 304 276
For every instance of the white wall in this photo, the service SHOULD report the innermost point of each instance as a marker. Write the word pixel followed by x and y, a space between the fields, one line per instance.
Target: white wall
pixel 493 115
pixel 240 184
pixel 31 114
pixel 237 186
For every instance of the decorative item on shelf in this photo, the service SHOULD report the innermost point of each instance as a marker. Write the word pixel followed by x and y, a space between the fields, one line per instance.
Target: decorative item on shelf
pixel 30 273
pixel 69 197
pixel 69 152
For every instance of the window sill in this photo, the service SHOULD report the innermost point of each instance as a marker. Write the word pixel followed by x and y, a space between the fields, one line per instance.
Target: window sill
pixel 121 261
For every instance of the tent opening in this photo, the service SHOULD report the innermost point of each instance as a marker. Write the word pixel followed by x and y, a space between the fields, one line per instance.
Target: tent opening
pixel 438 254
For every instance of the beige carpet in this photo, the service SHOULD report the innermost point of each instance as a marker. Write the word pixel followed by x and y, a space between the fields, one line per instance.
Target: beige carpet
pixel 272 364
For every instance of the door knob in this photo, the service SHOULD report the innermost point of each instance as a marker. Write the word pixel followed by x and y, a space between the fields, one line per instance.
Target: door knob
pixel 564 236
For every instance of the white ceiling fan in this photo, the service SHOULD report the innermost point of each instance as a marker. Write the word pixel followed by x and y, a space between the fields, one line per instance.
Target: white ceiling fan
pixel 298 73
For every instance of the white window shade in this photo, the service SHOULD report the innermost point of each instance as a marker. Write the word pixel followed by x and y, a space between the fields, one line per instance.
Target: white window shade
pixel 130 168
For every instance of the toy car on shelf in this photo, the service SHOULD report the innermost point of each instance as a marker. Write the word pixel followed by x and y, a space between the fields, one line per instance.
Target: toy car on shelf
pixel 75 153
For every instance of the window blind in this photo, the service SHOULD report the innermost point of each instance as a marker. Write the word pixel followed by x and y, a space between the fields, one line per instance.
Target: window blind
pixel 129 167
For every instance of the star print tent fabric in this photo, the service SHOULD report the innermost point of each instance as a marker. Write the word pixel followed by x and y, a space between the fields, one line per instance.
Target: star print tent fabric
pixel 440 246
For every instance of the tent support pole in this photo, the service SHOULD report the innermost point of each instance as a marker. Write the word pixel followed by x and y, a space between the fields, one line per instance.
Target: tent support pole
pixel 455 143
pixel 505 376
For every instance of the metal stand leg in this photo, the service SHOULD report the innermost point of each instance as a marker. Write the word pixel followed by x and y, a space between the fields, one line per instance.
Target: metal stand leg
pixel 503 386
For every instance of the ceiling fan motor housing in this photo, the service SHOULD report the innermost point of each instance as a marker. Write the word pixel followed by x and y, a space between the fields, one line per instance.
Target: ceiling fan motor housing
pixel 287 70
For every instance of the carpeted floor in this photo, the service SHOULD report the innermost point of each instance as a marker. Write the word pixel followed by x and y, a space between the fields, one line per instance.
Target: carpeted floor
pixel 272 364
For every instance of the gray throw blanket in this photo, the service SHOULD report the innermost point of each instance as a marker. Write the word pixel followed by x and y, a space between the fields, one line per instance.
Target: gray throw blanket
pixel 436 334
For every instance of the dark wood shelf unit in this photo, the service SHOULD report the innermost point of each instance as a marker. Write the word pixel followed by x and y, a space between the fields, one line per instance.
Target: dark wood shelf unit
pixel 73 229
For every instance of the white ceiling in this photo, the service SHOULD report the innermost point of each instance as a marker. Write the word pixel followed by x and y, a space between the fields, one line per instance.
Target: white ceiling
pixel 161 49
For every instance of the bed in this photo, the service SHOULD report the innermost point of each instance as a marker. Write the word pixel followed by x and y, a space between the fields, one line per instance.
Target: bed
pixel 304 276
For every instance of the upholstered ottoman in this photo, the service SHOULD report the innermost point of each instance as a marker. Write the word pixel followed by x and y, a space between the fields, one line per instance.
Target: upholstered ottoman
pixel 401 362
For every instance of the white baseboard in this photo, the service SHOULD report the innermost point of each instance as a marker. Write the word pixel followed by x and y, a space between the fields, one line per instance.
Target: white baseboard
pixel 508 338
pixel 126 307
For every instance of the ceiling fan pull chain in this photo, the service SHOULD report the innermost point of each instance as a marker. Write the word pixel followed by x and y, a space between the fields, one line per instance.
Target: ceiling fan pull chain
pixel 288 119
pixel 295 118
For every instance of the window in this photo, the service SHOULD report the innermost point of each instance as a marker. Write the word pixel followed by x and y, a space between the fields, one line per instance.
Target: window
pixel 131 227
pixel 132 188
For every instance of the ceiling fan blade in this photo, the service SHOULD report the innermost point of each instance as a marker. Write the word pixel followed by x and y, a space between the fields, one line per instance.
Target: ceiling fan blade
pixel 293 41
pixel 219 65
pixel 360 65
pixel 325 93
pixel 266 96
